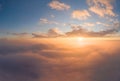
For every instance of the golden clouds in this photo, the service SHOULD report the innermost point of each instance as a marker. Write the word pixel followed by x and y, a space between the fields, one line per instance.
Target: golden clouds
pixel 58 5
pixel 101 7
pixel 80 14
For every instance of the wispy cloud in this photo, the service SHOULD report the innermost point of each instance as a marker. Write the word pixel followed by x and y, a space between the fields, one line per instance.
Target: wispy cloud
pixel 55 4
pixel 101 7
pixel 19 34
pixel 88 24
pixel 46 21
pixel 103 24
pixel 80 14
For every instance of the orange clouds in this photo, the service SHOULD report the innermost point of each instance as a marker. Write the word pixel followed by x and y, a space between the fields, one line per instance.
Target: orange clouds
pixel 62 60
pixel 58 5
pixel 101 7
pixel 80 14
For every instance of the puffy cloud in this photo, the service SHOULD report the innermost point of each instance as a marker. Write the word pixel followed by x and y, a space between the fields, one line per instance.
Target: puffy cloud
pixel 101 7
pixel 80 14
pixel 51 61
pixel 54 32
pixel 58 5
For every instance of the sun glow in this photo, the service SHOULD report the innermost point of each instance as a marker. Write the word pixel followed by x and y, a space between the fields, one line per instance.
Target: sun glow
pixel 80 39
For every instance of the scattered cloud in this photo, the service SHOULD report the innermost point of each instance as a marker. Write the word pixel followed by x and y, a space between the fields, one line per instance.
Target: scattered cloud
pixel 58 5
pixel 80 14
pixel 77 31
pixel 101 7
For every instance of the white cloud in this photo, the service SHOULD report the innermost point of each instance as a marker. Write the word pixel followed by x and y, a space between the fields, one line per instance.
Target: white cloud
pixel 80 14
pixel 58 5
pixel 101 7
pixel 104 24
pixel 88 24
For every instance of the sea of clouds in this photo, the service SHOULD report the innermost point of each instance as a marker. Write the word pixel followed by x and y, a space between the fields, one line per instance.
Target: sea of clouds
pixel 27 60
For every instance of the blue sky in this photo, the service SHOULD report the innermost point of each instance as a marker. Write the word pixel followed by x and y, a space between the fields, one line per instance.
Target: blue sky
pixel 18 16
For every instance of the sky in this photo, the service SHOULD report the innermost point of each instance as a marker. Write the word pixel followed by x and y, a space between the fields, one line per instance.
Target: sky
pixel 59 40
pixel 54 18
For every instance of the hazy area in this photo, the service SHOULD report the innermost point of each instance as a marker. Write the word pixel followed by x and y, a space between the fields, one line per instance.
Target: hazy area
pixel 63 60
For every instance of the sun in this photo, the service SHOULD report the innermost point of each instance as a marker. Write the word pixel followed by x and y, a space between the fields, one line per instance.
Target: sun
pixel 80 38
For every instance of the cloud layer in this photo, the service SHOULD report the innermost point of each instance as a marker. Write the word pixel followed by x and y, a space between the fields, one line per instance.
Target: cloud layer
pixel 66 60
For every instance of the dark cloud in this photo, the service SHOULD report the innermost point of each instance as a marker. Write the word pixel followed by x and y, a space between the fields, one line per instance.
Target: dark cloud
pixel 52 33
pixel 19 34
pixel 17 68
pixel 79 31
pixel 35 35
pixel 28 60
pixel 13 47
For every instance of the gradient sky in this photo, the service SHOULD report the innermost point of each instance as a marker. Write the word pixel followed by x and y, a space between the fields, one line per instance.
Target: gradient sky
pixel 59 40
pixel 35 16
